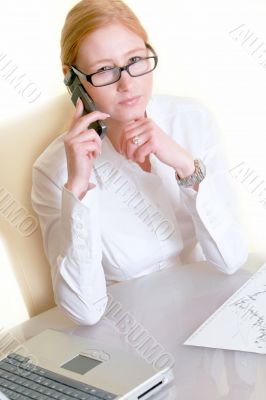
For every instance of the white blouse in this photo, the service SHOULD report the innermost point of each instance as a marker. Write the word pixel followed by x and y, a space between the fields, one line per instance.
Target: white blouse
pixel 135 222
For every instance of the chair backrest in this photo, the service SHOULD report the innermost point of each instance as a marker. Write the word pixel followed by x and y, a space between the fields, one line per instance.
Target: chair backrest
pixel 21 142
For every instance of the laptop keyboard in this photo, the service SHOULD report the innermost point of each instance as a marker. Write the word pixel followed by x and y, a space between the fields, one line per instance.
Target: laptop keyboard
pixel 20 379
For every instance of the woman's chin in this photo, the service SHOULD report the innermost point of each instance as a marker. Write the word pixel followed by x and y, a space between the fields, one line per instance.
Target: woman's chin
pixel 131 115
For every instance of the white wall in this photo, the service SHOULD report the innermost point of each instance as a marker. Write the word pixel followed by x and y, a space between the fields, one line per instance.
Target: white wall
pixel 198 57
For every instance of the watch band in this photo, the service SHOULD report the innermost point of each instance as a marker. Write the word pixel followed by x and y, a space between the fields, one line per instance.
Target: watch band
pixel 197 176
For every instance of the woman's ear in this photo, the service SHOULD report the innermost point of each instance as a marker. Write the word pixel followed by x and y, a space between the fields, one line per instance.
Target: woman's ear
pixel 65 68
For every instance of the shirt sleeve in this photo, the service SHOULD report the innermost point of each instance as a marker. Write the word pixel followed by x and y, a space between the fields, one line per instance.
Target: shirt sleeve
pixel 72 243
pixel 213 208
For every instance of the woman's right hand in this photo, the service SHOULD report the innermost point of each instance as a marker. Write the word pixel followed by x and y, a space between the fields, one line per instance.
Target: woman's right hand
pixel 82 146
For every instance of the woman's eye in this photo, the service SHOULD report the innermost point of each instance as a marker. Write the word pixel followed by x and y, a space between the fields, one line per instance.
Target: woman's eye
pixel 106 68
pixel 135 59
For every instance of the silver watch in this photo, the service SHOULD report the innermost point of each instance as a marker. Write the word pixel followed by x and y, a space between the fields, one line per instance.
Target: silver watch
pixel 197 176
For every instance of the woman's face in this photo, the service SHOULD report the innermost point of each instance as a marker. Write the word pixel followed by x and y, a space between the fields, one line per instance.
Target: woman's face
pixel 115 45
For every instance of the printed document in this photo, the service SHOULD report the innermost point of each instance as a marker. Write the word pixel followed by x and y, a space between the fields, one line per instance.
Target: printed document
pixel 240 323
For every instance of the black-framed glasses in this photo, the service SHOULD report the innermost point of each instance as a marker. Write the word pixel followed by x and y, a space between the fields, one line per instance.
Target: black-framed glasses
pixel 111 75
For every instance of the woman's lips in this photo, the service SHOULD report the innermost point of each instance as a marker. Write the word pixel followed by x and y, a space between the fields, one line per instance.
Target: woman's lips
pixel 131 101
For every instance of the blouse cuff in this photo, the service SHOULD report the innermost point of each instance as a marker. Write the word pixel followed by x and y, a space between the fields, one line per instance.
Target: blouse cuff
pixel 207 204
pixel 78 218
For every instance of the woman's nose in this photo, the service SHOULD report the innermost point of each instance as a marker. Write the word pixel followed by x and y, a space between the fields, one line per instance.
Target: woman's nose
pixel 125 82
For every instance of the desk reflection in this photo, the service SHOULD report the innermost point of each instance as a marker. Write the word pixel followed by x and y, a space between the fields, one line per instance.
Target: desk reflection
pixel 164 309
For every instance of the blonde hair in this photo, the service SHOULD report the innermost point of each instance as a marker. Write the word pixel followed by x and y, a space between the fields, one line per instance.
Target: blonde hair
pixel 89 15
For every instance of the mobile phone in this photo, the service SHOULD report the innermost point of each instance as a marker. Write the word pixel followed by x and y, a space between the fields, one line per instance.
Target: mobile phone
pixel 77 90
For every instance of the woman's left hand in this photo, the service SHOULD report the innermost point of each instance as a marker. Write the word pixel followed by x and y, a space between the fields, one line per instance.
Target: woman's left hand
pixel 150 138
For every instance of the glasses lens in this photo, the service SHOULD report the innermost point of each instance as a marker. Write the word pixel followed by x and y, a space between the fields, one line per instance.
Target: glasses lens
pixel 142 67
pixel 105 77
pixel 112 75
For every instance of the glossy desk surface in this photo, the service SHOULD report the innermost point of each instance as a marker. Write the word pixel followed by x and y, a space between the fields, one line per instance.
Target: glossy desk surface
pixel 167 307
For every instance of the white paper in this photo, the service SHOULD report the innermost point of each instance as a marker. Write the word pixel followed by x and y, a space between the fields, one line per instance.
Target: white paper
pixel 240 323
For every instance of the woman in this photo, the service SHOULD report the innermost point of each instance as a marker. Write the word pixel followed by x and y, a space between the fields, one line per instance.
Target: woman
pixel 152 194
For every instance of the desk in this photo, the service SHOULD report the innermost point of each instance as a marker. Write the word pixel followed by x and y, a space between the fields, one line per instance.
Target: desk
pixel 168 306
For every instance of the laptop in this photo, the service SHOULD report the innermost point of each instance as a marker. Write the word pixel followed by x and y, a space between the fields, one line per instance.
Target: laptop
pixel 56 365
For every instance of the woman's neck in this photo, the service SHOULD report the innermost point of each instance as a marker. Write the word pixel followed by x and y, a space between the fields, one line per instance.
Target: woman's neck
pixel 114 131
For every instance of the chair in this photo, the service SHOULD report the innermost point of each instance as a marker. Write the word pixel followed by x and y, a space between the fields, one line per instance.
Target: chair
pixel 21 142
